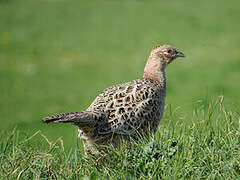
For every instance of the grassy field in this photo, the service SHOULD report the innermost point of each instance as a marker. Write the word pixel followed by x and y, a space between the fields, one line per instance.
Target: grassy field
pixel 56 56
pixel 206 149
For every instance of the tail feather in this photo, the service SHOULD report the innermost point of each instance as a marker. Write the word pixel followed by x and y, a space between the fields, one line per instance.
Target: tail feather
pixel 71 117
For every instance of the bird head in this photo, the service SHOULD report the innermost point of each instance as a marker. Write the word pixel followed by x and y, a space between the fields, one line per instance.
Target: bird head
pixel 166 54
pixel 158 60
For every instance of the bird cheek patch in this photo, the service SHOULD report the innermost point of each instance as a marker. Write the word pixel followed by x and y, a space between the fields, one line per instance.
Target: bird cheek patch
pixel 168 55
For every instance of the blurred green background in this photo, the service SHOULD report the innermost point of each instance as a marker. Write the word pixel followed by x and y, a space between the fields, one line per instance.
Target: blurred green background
pixel 58 55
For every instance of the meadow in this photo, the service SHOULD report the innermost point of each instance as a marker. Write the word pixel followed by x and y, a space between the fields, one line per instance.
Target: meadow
pixel 57 56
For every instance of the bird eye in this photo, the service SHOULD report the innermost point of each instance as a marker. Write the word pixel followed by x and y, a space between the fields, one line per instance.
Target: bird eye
pixel 169 51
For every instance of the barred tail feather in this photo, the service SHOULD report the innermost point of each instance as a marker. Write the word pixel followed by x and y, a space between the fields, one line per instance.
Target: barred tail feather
pixel 71 117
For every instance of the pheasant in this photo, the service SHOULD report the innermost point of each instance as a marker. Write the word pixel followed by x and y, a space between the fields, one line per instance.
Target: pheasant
pixel 124 110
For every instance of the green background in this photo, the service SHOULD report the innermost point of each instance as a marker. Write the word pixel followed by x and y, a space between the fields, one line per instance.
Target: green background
pixel 58 55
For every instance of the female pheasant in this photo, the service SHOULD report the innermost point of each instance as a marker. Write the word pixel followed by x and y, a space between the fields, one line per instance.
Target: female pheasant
pixel 131 108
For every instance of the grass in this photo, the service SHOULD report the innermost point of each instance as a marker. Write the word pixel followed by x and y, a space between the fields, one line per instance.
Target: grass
pixel 56 56
pixel 207 148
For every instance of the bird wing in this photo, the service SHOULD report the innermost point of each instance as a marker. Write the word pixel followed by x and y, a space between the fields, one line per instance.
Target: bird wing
pixel 126 107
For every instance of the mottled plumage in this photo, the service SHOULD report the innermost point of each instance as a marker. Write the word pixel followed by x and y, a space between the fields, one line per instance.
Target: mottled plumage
pixel 131 108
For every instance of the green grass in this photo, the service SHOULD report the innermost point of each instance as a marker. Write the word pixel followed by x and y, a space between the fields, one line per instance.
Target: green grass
pixel 207 148
pixel 56 56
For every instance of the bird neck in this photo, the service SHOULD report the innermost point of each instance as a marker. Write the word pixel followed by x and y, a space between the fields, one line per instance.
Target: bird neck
pixel 155 70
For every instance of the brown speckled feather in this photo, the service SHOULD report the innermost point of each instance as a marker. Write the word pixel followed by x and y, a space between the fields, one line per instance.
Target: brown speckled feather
pixel 130 106
pixel 125 109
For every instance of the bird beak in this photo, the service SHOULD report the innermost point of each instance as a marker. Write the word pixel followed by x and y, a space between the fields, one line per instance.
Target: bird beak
pixel 179 54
